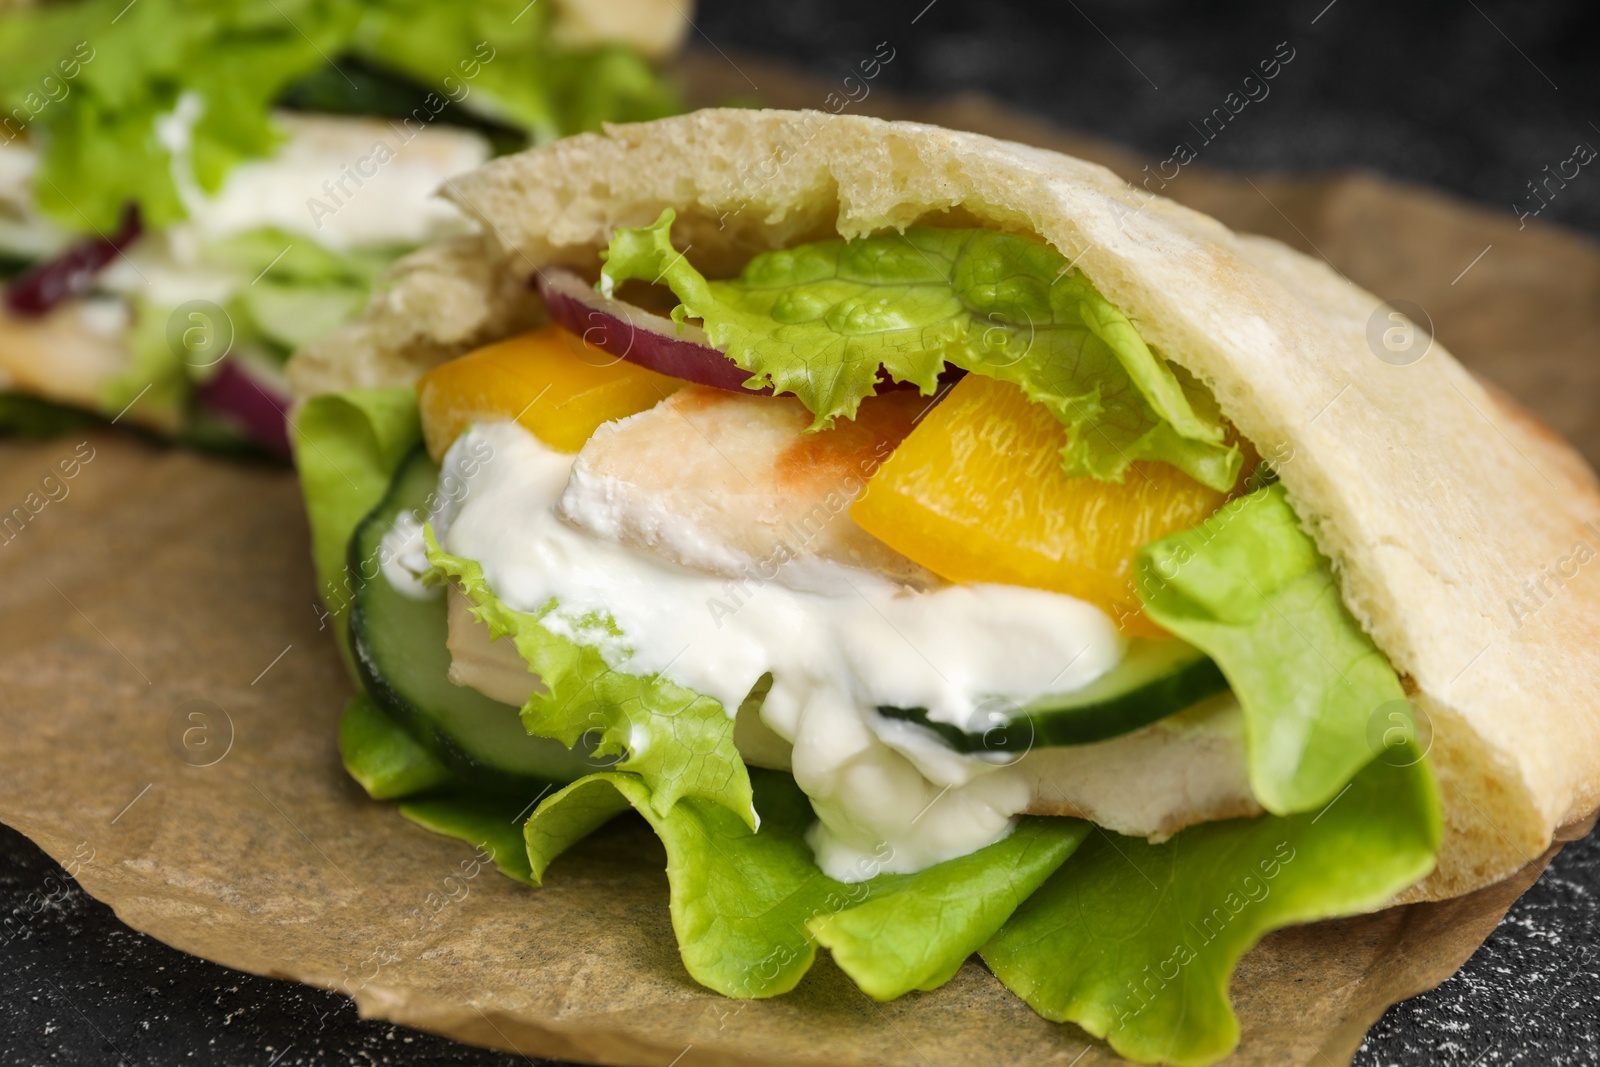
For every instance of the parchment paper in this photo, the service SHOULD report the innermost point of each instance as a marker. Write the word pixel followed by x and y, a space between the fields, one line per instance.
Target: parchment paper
pixel 168 707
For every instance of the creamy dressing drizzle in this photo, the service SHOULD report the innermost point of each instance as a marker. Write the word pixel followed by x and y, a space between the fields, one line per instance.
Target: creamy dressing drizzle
pixel 885 799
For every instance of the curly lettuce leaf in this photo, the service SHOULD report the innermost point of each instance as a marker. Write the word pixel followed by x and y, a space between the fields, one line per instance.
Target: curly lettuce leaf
pixel 31 43
pixel 820 321
pixel 1136 942
pixel 1249 588
pixel 750 909
pixel 679 742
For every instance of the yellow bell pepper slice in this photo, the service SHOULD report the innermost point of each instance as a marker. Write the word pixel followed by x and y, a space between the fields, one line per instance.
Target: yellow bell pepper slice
pixel 976 494
pixel 557 385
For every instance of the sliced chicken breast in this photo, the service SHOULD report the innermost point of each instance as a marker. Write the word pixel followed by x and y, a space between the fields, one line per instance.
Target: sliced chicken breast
pixel 731 484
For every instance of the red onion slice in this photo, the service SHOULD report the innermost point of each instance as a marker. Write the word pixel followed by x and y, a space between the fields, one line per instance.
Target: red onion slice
pixel 71 273
pixel 629 332
pixel 250 398
pixel 638 336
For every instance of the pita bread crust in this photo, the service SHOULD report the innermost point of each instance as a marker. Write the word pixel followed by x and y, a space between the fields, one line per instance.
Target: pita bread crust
pixel 1436 503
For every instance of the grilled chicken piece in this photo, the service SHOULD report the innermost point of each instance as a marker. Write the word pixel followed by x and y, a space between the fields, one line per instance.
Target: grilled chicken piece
pixel 67 355
pixel 1186 769
pixel 729 483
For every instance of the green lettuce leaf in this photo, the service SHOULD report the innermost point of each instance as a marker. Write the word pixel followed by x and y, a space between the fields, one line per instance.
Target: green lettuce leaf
pixel 688 748
pixel 155 385
pixel 347 447
pixel 305 294
pixel 914 931
pixel 607 84
pixel 820 320
pixel 32 41
pixel 381 756
pixel 750 909
pixel 270 253
pixel 1136 942
pixel 1249 588
pixel 491 824
pixel 299 292
pixel 33 417
pixel 517 76
pixel 388 763
pixel 289 316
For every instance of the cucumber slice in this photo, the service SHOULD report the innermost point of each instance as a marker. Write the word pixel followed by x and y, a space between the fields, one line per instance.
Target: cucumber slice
pixel 1157 678
pixel 399 642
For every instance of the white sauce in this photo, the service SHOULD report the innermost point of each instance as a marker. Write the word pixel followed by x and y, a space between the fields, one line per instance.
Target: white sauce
pixel 347 183
pixel 175 132
pixel 886 799
pixel 23 231
pixel 403 558
pixel 328 183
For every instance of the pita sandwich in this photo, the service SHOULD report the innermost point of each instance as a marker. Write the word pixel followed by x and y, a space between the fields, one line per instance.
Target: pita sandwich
pixel 931 412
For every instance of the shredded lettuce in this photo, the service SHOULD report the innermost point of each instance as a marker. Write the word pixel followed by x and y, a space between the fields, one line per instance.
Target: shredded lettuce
pixel 100 77
pixel 1136 942
pixel 1248 587
pixel 679 742
pixel 820 320
pixel 750 908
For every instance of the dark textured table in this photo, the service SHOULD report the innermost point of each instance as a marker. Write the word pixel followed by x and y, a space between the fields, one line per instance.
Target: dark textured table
pixel 1474 97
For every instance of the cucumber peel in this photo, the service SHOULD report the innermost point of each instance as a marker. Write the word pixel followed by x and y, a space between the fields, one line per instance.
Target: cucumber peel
pixel 1158 677
pixel 404 663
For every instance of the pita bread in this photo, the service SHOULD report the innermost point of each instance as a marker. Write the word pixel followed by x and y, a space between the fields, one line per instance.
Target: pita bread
pixel 1464 535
